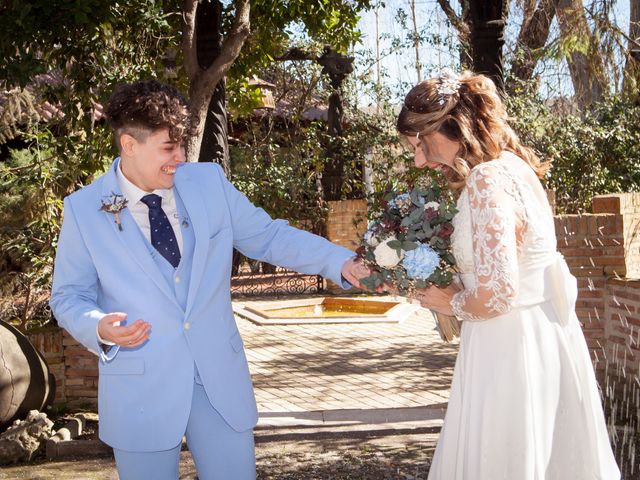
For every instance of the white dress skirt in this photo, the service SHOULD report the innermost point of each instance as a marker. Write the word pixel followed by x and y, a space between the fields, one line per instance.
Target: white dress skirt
pixel 524 402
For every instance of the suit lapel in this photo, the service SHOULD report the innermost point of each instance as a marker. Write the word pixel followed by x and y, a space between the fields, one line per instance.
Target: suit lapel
pixel 131 237
pixel 194 204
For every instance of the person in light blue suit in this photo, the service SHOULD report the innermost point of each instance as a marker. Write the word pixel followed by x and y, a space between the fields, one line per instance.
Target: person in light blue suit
pixel 142 279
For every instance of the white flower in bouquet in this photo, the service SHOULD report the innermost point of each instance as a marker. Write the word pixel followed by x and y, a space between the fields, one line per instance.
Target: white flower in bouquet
pixel 432 205
pixel 386 256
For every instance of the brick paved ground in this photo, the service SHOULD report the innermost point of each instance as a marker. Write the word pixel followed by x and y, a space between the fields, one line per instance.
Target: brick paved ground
pixel 301 368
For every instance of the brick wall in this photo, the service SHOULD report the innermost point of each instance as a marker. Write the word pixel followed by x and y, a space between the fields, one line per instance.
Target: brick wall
pixel 81 370
pixel 75 368
pixel 621 380
pixel 598 247
pixel 622 325
pixel 347 222
pixel 48 341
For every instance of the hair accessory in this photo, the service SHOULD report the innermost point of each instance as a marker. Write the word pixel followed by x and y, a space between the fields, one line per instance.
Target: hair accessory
pixel 449 83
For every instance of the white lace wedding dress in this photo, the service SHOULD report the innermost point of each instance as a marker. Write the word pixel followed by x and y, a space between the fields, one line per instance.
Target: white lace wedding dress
pixel 524 401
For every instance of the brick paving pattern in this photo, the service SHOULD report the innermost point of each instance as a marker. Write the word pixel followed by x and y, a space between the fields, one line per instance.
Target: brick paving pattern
pixel 302 368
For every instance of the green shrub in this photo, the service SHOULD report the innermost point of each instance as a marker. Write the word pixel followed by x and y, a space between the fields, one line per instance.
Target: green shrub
pixel 594 153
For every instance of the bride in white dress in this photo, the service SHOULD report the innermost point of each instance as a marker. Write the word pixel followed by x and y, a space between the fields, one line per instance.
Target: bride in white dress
pixel 524 401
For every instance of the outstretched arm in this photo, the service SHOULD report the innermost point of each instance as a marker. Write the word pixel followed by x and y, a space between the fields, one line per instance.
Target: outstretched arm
pixel 258 236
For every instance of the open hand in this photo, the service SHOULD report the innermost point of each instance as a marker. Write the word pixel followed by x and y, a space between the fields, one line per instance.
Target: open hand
pixel 353 270
pixel 110 328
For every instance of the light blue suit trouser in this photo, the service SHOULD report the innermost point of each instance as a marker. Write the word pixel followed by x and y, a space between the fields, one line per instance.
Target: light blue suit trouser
pixel 219 452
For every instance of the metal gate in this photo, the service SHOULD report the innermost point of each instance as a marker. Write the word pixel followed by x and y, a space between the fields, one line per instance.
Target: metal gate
pixel 255 278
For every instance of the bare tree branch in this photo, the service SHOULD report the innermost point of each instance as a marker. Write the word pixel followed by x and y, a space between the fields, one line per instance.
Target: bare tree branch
pixel 587 71
pixel 231 46
pixel 458 23
pixel 202 82
pixel 533 36
pixel 631 83
pixel 528 8
pixel 189 37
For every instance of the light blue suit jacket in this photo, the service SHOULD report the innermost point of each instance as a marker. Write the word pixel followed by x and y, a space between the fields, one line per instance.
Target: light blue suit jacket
pixel 145 392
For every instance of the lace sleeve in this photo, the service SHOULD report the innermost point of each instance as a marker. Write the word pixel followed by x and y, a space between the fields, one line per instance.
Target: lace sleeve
pixel 493 227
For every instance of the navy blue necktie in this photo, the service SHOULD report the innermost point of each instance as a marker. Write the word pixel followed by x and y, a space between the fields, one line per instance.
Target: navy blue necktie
pixel 162 236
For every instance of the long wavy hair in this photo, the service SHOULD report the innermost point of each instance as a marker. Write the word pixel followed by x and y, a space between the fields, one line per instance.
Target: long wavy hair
pixel 472 114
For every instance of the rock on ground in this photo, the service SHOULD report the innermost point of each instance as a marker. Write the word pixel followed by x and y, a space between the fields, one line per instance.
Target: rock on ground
pixel 25 438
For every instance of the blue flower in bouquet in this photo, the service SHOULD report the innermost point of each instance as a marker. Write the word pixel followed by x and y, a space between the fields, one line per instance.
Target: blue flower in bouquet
pixel 400 202
pixel 421 262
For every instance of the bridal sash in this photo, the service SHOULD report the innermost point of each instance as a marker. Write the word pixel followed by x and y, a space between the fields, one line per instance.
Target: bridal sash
pixel 545 278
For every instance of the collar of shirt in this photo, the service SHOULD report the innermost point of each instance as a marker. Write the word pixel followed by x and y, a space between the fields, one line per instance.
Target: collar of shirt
pixel 134 194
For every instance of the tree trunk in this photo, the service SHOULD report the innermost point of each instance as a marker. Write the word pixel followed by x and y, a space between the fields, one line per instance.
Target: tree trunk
pixel 631 83
pixel 25 313
pixel 199 98
pixel 532 37
pixel 488 21
pixel 462 25
pixel 215 138
pixel 215 146
pixel 203 81
pixel 586 69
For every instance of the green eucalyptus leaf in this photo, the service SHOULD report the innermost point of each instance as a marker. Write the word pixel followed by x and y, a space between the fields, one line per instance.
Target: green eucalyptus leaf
pixel 416 215
pixel 395 244
pixel 409 245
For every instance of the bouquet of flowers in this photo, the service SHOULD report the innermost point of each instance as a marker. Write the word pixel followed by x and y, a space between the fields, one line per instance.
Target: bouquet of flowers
pixel 408 245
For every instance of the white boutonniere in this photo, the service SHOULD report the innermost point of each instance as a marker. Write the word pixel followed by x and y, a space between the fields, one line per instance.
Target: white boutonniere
pixel 114 204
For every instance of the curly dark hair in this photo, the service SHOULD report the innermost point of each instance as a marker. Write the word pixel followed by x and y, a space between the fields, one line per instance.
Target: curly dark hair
pixel 143 107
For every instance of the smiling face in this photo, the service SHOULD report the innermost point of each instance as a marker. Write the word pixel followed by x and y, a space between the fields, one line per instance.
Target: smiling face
pixel 435 151
pixel 150 162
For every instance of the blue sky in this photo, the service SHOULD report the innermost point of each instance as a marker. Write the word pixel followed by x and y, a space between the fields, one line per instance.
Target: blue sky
pixel 400 68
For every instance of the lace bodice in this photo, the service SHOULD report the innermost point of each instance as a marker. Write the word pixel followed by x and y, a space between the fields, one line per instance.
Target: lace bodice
pixel 501 225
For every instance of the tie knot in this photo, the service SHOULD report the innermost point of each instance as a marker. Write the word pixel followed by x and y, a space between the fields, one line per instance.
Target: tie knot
pixel 152 200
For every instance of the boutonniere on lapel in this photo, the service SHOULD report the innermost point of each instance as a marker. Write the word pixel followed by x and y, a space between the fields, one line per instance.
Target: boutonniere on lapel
pixel 114 204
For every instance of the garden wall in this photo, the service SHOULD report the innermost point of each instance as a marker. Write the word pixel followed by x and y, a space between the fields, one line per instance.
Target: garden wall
pixel 347 222
pixel 600 248
pixel 75 368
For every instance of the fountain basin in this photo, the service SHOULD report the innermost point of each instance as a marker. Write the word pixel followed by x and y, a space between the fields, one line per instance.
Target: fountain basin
pixel 319 310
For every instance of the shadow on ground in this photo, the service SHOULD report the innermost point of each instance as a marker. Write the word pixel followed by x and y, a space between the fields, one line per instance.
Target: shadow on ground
pixel 390 457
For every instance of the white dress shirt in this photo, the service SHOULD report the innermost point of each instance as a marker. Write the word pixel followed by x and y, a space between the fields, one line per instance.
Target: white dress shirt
pixel 140 212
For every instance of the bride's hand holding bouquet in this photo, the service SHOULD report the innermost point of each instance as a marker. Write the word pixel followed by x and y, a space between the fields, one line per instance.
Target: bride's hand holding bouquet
pixel 407 246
